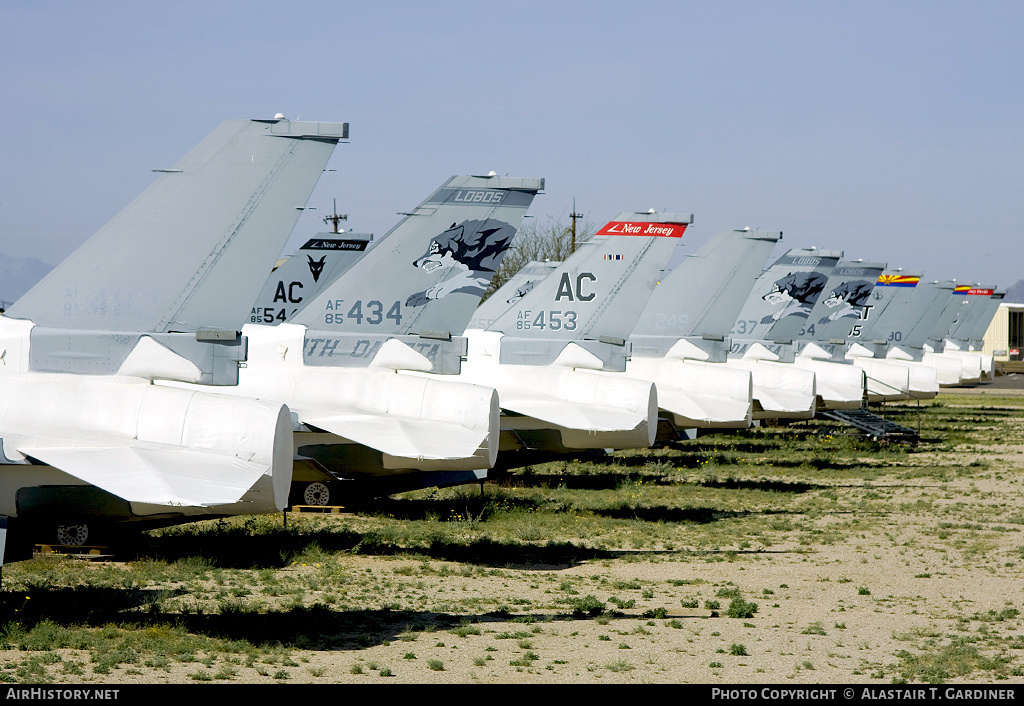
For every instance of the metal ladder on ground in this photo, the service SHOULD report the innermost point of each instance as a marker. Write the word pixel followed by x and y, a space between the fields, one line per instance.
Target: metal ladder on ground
pixel 876 426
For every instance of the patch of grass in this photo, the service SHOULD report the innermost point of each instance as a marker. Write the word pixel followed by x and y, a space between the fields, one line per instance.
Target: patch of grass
pixel 589 605
pixel 955 660
pixel 815 628
pixel 619 666
pixel 739 608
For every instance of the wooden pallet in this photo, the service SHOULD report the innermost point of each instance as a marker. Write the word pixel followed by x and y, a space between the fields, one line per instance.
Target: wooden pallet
pixel 318 509
pixel 92 553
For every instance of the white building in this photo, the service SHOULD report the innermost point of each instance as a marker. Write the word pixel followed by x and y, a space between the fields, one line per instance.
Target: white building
pixel 1004 339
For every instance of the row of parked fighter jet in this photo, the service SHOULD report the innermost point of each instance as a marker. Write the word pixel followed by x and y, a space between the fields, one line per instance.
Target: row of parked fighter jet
pixel 141 384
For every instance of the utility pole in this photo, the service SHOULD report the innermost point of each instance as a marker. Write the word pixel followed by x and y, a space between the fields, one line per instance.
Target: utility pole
pixel 336 217
pixel 574 216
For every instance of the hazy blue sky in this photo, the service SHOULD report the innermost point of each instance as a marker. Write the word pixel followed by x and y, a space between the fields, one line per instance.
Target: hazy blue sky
pixel 891 130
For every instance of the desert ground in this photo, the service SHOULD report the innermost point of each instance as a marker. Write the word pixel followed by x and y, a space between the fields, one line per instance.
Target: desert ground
pixel 795 554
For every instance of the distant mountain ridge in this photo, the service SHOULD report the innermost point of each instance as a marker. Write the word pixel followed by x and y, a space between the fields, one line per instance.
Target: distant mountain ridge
pixel 17 276
pixel 1015 293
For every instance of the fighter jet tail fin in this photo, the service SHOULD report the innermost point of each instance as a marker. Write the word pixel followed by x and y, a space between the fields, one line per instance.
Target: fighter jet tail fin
pixel 596 295
pixel 702 297
pixel 784 295
pixel 186 254
pixel 428 273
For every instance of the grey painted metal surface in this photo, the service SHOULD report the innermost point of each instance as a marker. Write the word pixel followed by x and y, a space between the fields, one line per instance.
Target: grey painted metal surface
pixel 843 305
pixel 893 308
pixel 428 273
pixel 183 254
pixel 782 298
pixel 601 289
pixel 316 265
pixel 701 298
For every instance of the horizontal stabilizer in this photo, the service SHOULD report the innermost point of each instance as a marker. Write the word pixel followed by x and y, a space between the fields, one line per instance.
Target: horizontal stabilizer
pixel 706 409
pixel 408 438
pixel 574 415
pixel 155 474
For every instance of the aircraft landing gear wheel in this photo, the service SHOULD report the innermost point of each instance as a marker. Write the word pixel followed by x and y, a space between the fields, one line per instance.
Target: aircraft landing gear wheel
pixel 72 535
pixel 316 494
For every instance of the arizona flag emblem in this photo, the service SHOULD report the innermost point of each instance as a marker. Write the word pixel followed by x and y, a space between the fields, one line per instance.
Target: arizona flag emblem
pixel 898 281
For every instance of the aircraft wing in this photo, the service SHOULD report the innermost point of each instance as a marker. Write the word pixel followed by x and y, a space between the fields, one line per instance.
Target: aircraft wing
pixel 407 438
pixel 156 474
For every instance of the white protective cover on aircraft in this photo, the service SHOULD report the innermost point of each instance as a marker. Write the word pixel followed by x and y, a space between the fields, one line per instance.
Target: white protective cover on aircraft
pixel 591 409
pixel 924 382
pixel 896 384
pixel 781 390
pixel 973 365
pixel 949 368
pixel 153 446
pixel 679 342
pixel 894 379
pixel 929 373
pixel 416 421
pixel 697 394
pixel 838 385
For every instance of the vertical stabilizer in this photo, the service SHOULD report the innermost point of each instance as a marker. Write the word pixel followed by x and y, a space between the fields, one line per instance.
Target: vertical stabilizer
pixel 183 255
pixel 703 295
pixel 894 307
pixel 784 295
pixel 320 261
pixel 984 318
pixel 428 273
pixel 845 303
pixel 948 317
pixel 935 296
pixel 975 305
pixel 599 291
pixel 515 288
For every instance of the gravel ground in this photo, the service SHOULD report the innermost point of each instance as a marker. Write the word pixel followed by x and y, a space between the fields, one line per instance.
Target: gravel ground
pixel 926 590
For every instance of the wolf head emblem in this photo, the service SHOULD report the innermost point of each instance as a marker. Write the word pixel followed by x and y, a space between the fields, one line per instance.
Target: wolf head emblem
pixel 854 294
pixel 316 267
pixel 800 289
pixel 464 257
